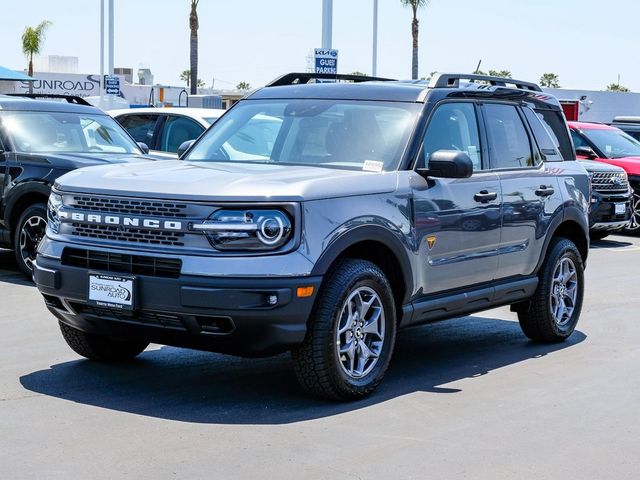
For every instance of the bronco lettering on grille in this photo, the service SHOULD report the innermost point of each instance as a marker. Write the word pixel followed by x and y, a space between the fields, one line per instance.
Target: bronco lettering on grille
pixel 149 223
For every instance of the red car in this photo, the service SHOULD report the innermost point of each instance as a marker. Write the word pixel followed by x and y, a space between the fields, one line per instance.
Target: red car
pixel 604 143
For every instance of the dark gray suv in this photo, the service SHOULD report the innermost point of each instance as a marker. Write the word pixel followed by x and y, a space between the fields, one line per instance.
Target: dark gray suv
pixel 321 217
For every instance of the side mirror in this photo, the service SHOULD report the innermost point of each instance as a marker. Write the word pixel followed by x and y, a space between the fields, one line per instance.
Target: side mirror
pixel 586 152
pixel 448 164
pixel 184 146
pixel 143 147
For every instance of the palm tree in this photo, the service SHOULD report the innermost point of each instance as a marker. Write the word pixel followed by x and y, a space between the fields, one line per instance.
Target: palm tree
pixel 616 87
pixel 243 86
pixel 185 76
pixel 500 73
pixel 32 39
pixel 193 46
pixel 415 6
pixel 550 80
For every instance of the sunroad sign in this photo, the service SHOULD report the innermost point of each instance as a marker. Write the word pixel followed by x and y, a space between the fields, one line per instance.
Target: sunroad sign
pixel 326 61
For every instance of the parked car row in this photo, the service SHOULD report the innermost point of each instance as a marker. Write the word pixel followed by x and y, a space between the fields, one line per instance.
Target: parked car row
pixel 316 218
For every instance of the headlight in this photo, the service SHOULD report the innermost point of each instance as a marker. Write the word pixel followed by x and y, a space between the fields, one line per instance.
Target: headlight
pixel 247 229
pixel 53 209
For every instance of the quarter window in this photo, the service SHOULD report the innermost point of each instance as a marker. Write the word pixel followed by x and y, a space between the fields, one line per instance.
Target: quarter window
pixel 508 139
pixel 548 147
pixel 453 126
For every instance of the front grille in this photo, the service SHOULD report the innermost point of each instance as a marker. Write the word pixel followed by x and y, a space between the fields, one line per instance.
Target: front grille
pixel 135 235
pixel 147 208
pixel 609 182
pixel 207 324
pixel 144 317
pixel 122 263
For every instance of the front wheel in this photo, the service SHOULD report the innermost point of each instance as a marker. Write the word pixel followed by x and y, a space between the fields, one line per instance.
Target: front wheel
pixel 30 230
pixel 101 347
pixel 633 228
pixel 351 333
pixel 554 310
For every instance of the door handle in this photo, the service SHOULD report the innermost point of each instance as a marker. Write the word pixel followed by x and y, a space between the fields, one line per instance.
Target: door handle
pixel 484 196
pixel 544 191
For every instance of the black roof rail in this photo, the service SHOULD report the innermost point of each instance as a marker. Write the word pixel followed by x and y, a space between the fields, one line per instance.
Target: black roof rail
pixel 302 78
pixel 69 98
pixel 452 80
pixel 626 119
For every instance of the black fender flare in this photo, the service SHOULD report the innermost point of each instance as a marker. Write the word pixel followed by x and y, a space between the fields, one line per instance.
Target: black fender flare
pixel 363 233
pixel 19 191
pixel 570 214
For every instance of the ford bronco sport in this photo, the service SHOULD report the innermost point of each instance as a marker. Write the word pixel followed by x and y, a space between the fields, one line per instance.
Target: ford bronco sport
pixel 321 217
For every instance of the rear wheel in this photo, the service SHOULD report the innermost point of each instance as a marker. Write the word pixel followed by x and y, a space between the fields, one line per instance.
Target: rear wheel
pixel 101 347
pixel 30 229
pixel 351 333
pixel 554 310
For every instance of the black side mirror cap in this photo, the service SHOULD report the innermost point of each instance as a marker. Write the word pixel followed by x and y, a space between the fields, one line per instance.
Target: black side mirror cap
pixel 184 146
pixel 143 147
pixel 448 164
pixel 586 152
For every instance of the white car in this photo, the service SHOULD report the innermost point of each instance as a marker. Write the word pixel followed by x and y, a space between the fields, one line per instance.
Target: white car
pixel 163 130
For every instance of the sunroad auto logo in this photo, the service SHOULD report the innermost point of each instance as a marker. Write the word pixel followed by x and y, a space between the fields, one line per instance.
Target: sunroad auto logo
pixel 116 292
pixel 115 220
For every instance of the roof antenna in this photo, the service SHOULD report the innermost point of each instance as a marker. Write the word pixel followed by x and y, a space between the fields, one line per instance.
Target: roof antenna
pixel 477 70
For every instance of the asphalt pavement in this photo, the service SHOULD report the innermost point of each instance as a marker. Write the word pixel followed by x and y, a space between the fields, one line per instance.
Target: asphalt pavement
pixel 466 398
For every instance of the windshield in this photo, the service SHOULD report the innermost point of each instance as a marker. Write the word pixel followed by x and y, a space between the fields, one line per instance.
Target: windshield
pixel 329 133
pixel 56 132
pixel 614 143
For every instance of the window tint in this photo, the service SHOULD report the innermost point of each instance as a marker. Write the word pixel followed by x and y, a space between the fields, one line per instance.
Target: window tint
pixel 140 127
pixel 453 126
pixel 178 130
pixel 547 145
pixel 578 141
pixel 555 123
pixel 508 139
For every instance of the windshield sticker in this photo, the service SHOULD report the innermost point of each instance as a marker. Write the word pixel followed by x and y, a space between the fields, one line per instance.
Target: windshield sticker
pixel 372 166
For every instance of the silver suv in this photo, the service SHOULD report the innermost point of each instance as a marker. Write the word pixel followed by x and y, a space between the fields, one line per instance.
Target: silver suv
pixel 321 217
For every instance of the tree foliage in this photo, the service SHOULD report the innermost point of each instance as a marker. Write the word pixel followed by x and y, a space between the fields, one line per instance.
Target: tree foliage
pixel 550 80
pixel 32 40
pixel 616 87
pixel 185 76
pixel 243 86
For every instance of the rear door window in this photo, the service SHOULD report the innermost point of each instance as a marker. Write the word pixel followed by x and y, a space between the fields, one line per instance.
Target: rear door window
pixel 556 125
pixel 141 127
pixel 178 130
pixel 508 139
pixel 547 145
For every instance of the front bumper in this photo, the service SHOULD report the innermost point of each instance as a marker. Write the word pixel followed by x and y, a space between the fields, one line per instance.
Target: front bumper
pixel 227 315
pixel 603 216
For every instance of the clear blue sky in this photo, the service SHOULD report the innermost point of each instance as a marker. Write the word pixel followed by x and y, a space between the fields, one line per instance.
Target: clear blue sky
pixel 586 42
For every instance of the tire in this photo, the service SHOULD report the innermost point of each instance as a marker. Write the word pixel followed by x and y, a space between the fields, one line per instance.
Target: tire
pixel 634 224
pixel 539 322
pixel 598 235
pixel 100 347
pixel 324 372
pixel 30 229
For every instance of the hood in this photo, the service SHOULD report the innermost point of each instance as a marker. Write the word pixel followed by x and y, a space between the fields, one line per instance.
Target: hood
pixel 209 181
pixel 631 165
pixel 71 161
pixel 592 166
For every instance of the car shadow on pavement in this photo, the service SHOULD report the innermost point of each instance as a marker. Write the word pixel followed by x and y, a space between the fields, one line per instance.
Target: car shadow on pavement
pixel 9 272
pixel 618 242
pixel 189 386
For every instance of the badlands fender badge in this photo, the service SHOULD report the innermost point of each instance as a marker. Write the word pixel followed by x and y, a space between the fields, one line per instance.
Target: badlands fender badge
pixel 431 241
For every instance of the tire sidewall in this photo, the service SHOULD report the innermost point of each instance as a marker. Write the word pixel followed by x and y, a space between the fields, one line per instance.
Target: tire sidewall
pixel 565 250
pixel 37 209
pixel 369 381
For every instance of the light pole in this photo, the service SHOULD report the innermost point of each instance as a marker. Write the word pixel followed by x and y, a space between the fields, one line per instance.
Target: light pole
pixel 374 59
pixel 110 37
pixel 101 104
pixel 327 23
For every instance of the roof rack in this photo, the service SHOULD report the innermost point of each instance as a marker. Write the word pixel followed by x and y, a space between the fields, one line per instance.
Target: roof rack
pixel 69 98
pixel 626 119
pixel 452 80
pixel 302 78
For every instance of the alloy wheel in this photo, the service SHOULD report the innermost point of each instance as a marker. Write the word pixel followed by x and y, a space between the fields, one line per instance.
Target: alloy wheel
pixel 564 291
pixel 33 230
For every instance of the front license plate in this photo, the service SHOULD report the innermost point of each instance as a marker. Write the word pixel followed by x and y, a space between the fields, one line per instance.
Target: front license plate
pixel 111 291
pixel 621 209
